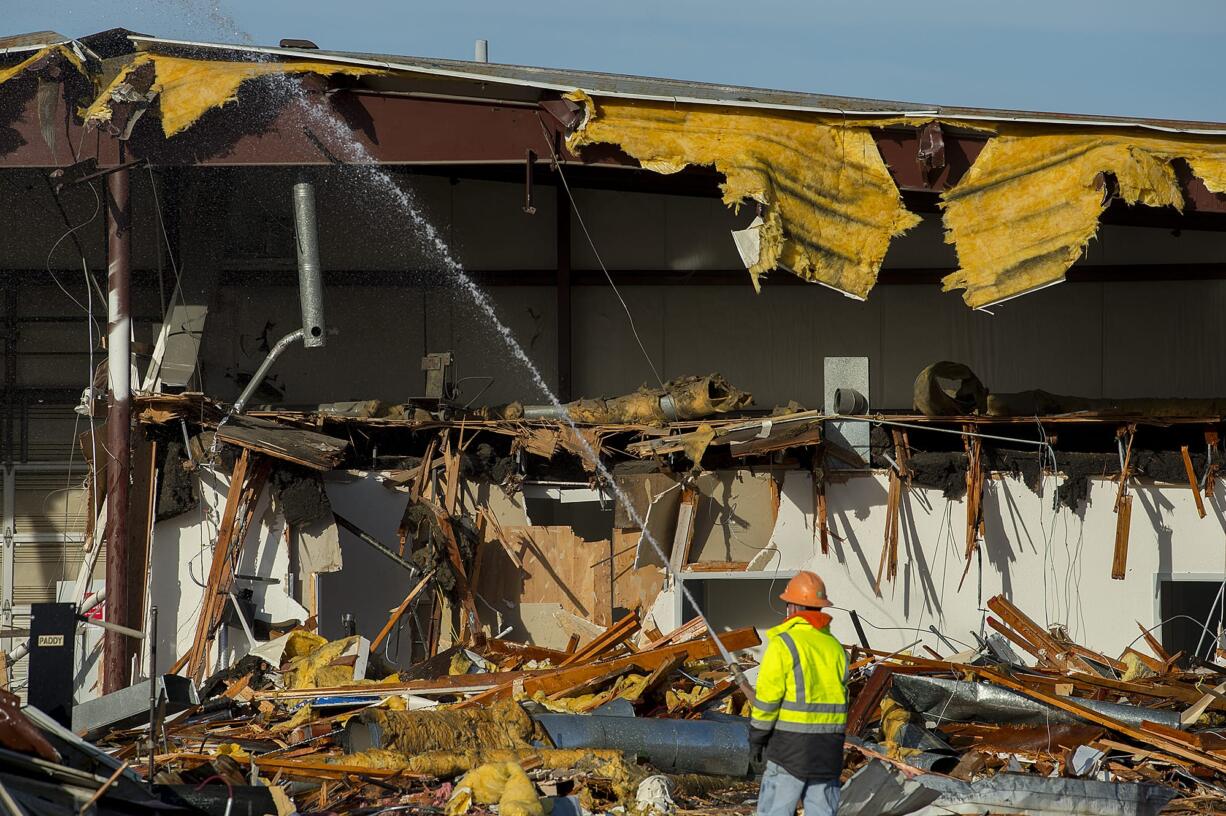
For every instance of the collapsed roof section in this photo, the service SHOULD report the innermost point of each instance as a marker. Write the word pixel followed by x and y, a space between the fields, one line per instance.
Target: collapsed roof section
pixel 1022 193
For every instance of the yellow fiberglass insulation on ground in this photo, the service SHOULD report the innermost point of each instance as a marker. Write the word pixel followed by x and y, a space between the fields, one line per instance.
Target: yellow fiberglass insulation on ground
pixel 502 783
pixel 189 88
pixel 831 206
pixel 1022 214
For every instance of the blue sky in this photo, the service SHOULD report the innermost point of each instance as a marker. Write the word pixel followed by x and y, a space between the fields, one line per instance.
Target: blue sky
pixel 1123 57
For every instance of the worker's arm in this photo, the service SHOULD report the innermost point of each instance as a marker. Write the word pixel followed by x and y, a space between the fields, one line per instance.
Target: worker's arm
pixel 768 696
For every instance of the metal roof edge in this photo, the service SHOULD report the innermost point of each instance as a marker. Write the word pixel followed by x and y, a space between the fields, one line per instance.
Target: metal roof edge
pixel 952 112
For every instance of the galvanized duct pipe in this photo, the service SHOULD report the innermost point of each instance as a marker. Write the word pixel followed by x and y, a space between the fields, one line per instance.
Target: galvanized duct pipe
pixel 685 746
pixel 310 275
pixel 313 334
pixel 943 700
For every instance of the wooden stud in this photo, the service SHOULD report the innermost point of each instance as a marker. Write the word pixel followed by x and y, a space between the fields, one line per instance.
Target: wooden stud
pixel 220 555
pixel 1123 520
pixel 683 537
pixel 399 611
pixel 1122 487
pixel 1154 645
pixel 974 499
pixel 1187 464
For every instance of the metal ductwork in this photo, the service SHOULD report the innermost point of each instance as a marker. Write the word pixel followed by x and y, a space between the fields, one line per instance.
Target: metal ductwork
pixel 313 333
pixel 310 276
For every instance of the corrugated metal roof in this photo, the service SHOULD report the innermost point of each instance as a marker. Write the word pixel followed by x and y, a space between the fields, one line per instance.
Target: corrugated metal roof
pixel 21 43
pixel 650 88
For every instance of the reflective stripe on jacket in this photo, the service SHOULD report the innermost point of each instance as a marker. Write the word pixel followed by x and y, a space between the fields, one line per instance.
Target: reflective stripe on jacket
pixel 801 684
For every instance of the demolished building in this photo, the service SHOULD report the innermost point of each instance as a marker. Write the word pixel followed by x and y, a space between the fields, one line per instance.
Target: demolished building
pixel 406 490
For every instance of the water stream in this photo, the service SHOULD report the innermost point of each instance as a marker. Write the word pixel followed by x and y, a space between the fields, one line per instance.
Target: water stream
pixel 362 167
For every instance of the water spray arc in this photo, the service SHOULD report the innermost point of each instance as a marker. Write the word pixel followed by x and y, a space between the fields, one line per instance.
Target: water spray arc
pixel 364 167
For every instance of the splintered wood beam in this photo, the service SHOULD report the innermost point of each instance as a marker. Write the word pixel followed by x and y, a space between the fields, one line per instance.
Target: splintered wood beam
pixel 1154 645
pixel 683 537
pixel 974 500
pixel 561 678
pixel 399 611
pixel 823 512
pixel 469 621
pixel 1062 657
pixel 1122 487
pixel 243 494
pixel 1123 521
pixel 887 567
pixel 1141 735
pixel 605 641
pixel 1187 465
pixel 220 553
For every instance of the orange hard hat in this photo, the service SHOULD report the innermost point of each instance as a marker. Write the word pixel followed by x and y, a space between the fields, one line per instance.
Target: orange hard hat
pixel 806 589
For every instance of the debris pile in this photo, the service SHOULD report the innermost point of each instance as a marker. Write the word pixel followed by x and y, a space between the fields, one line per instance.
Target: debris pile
pixel 1030 721
pixel 528 729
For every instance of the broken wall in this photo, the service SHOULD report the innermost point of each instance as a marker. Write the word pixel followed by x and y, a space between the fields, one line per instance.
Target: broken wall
pixel 180 557
pixel 1055 565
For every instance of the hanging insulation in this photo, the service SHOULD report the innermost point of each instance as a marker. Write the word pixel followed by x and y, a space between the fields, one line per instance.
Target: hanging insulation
pixel 189 88
pixel 830 205
pixel 1030 203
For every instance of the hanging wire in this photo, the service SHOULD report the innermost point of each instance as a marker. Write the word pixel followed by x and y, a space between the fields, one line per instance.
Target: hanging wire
pixel 557 163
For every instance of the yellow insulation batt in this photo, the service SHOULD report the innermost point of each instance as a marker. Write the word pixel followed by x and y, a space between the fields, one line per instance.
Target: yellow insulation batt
pixel 502 783
pixel 500 725
pixel 189 88
pixel 831 207
pixel 16 70
pixel 1024 211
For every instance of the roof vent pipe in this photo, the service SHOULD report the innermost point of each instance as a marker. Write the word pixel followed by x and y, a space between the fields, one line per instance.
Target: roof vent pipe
pixel 313 333
pixel 482 53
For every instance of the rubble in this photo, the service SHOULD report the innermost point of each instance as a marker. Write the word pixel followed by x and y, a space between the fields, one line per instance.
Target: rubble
pixel 531 674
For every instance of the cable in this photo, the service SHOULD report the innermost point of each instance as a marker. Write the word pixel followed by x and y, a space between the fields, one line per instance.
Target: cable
pixel 557 163
pixel 901 628
pixel 1163 622
pixel 61 239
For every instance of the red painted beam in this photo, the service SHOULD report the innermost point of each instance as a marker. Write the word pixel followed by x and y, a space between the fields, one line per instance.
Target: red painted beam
pixel 267 127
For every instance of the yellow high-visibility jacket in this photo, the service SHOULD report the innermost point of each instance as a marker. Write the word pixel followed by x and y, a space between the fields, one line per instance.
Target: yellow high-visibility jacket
pixel 800 704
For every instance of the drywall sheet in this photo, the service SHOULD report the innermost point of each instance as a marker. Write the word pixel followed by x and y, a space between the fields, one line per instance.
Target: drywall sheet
pixel 180 557
pixel 189 88
pixel 829 204
pixel 1025 210
pixel 735 517
pixel 370 585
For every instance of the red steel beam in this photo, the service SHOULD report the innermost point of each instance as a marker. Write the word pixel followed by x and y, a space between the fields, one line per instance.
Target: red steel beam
pixel 407 130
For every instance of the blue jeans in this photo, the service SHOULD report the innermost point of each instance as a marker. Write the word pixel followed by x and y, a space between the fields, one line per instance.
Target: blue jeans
pixel 781 793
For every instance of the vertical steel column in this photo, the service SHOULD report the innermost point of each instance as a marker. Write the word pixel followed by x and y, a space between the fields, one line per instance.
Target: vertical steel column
pixel 117 649
pixel 563 294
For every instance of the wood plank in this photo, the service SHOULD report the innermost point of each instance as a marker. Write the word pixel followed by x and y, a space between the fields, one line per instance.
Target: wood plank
pixel 1123 524
pixel 551 681
pixel 302 447
pixel 469 621
pixel 1056 653
pixel 683 537
pixel 659 676
pixel 399 611
pixel 823 511
pixel 1068 705
pixel 609 639
pixel 1194 712
pixel 870 696
pixel 1154 645
pixel 1191 471
pixel 1122 486
pixel 717 566
pixel 229 518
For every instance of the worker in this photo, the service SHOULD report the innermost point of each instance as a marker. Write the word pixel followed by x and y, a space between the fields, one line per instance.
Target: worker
pixel 799 710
